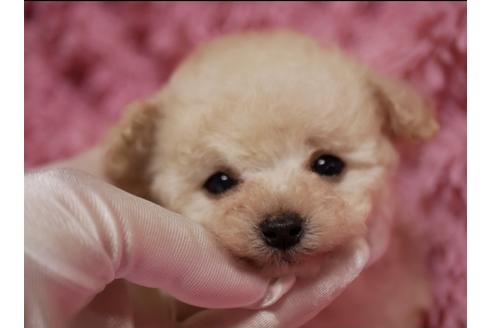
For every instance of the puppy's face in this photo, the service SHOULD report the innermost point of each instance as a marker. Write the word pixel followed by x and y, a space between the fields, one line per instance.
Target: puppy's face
pixel 276 146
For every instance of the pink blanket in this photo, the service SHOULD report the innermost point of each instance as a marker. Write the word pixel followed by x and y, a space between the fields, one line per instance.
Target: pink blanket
pixel 85 61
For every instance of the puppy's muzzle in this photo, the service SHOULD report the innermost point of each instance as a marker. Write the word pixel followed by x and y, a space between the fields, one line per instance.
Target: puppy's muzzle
pixel 282 231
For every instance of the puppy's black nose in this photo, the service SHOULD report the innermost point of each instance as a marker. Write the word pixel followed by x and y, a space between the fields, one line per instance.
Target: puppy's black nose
pixel 282 231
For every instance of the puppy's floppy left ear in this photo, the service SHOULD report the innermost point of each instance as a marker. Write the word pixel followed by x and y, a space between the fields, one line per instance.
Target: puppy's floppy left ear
pixel 406 114
pixel 129 147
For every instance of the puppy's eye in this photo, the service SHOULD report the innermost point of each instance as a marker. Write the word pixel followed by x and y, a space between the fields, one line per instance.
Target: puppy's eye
pixel 219 183
pixel 328 165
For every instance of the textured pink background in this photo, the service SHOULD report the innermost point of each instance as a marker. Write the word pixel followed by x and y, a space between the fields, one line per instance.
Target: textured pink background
pixel 85 61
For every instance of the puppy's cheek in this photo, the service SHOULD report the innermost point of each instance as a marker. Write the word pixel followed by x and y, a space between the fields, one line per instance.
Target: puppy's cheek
pixel 358 205
pixel 233 231
pixel 335 221
pixel 332 216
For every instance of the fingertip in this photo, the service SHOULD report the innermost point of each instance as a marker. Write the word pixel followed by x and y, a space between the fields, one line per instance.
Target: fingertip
pixel 275 291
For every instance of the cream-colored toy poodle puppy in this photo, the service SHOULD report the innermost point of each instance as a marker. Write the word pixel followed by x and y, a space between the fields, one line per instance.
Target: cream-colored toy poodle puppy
pixel 284 151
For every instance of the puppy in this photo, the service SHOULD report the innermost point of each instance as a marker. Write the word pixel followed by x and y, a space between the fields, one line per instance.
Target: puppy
pixel 284 151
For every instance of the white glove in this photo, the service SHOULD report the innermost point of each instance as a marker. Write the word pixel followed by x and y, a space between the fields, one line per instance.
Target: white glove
pixel 82 233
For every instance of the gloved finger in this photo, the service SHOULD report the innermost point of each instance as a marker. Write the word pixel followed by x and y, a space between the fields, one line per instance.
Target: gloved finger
pixel 81 234
pixel 306 299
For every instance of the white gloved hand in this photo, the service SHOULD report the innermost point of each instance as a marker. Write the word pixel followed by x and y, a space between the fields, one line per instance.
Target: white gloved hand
pixel 82 233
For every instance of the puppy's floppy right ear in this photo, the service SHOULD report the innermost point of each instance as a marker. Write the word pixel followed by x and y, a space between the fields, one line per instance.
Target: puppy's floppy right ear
pixel 406 113
pixel 129 149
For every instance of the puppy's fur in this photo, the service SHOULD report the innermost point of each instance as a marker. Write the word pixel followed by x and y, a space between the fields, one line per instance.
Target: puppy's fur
pixel 261 107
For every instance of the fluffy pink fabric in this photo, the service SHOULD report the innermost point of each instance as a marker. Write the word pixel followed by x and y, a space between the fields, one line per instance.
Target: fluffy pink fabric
pixel 85 61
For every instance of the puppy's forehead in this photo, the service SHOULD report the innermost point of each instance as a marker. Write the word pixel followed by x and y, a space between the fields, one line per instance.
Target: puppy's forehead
pixel 257 99
pixel 257 128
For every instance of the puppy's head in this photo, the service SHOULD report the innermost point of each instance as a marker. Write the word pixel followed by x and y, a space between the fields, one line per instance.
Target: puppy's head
pixel 278 147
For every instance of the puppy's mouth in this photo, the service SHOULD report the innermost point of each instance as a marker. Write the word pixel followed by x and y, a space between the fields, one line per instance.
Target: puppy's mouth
pixel 273 262
pixel 300 260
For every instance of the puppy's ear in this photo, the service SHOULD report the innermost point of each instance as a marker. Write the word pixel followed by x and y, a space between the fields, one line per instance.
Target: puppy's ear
pixel 406 114
pixel 129 149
